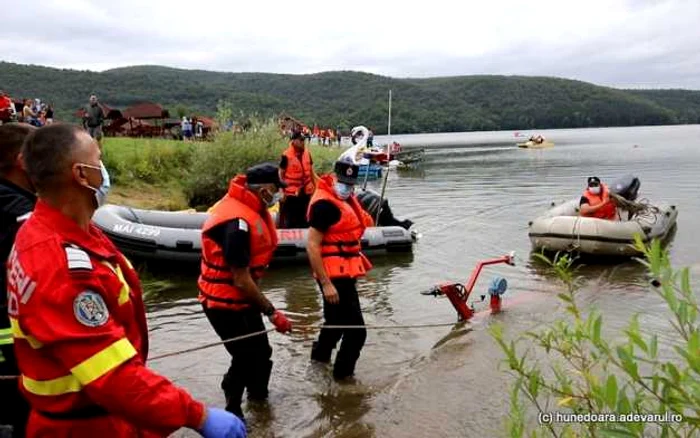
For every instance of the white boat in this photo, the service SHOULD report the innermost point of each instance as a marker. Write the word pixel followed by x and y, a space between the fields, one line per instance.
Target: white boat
pixel 562 229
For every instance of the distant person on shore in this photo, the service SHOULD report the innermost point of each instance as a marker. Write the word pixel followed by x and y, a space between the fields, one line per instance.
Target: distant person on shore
pixel 30 116
pixel 186 127
pixel 49 114
pixel 595 201
pixel 370 138
pixel 7 108
pixel 93 119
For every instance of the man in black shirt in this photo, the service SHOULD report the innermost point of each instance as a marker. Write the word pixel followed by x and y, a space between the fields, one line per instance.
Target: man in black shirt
pixel 17 200
pixel 238 242
pixel 336 225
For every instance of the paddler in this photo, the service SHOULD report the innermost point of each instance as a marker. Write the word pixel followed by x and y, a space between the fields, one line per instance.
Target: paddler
pixel 77 312
pixel 337 223
pixel 238 241
pixel 297 171
pixel 595 201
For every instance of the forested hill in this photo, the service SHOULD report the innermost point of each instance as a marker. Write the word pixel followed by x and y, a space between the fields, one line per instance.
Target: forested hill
pixel 462 103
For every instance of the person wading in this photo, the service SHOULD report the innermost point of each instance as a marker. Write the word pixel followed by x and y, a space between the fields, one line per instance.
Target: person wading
pixel 77 312
pixel 238 241
pixel 337 223
pixel 17 200
pixel 297 170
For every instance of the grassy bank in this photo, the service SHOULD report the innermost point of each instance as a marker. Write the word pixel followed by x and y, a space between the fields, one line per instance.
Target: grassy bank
pixel 175 175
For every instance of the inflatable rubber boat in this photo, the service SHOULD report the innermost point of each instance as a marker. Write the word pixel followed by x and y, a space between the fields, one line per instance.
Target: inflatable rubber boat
pixel 562 229
pixel 176 236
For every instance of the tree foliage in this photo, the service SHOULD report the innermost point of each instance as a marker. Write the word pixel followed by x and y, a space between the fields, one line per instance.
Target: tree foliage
pixel 571 367
pixel 344 99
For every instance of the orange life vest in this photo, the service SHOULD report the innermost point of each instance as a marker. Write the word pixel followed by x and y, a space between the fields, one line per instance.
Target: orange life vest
pixel 216 288
pixel 608 211
pixel 298 174
pixel 341 245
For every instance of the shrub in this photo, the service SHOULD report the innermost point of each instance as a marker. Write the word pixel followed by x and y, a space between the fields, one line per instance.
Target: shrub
pixel 146 160
pixel 214 164
pixel 585 373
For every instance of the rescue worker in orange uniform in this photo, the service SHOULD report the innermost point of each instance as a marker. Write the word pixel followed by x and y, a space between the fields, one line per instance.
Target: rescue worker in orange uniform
pixel 238 241
pixel 77 311
pixel 17 200
pixel 596 202
pixel 297 171
pixel 337 222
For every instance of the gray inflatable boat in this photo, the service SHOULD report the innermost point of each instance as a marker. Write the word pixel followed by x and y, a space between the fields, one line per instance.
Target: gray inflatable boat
pixel 176 236
pixel 562 229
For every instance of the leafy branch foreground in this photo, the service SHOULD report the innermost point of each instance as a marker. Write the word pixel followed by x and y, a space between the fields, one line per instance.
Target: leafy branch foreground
pixel 584 373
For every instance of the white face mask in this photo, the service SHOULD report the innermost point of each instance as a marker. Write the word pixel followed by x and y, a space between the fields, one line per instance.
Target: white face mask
pixel 594 190
pixel 343 190
pixel 103 189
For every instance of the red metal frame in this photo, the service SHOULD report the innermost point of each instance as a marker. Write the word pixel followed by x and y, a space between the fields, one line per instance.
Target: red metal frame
pixel 458 294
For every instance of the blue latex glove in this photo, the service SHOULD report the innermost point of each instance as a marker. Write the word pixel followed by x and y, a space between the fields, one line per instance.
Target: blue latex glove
pixel 222 424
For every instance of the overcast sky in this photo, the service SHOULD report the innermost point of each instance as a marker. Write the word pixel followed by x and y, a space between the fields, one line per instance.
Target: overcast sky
pixel 624 43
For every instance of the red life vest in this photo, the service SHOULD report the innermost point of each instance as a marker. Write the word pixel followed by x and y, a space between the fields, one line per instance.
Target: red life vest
pixel 298 174
pixel 608 211
pixel 341 245
pixel 216 288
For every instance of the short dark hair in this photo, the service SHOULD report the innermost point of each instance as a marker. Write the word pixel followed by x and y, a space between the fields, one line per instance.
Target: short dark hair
pixel 12 136
pixel 47 153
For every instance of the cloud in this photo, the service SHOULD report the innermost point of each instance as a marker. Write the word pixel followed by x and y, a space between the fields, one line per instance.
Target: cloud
pixel 627 43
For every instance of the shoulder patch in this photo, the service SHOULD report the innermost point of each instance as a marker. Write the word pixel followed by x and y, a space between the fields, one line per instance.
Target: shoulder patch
pixel 242 225
pixel 24 217
pixel 90 309
pixel 77 258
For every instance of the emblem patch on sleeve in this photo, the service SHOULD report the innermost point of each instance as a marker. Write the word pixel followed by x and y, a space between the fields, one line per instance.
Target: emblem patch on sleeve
pixel 90 309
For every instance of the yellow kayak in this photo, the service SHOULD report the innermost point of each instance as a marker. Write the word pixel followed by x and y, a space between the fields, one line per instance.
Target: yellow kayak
pixel 533 145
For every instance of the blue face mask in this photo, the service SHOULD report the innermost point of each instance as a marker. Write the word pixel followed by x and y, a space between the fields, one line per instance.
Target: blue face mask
pixel 277 197
pixel 103 189
pixel 343 190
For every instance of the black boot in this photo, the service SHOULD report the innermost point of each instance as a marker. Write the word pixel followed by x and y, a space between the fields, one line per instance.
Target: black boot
pixel 320 355
pixel 258 388
pixel 233 393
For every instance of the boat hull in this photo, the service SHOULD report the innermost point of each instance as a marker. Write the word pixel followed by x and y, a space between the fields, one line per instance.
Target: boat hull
pixel 176 236
pixel 561 229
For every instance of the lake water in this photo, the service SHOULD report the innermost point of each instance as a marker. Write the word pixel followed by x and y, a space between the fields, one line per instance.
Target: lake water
pixel 471 200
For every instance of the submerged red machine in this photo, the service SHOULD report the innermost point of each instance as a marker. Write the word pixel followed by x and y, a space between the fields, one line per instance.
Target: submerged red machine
pixel 458 293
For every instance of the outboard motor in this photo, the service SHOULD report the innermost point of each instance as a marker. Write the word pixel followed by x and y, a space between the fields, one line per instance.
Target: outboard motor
pixel 370 202
pixel 626 187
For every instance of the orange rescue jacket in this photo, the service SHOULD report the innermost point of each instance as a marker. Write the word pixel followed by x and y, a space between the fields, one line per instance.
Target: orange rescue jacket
pixel 298 173
pixel 608 211
pixel 341 245
pixel 216 288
